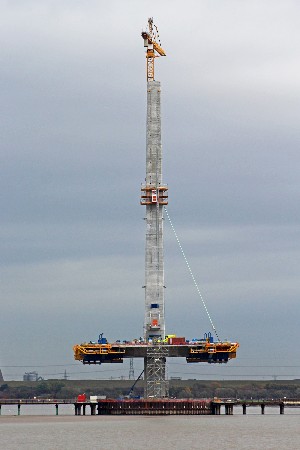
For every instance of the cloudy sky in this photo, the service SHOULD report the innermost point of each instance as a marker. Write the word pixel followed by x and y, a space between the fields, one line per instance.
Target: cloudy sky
pixel 73 109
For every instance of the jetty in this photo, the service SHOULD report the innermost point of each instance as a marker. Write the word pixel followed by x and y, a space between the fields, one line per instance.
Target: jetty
pixel 167 406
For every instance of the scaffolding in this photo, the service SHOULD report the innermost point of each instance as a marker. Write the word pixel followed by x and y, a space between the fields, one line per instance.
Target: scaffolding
pixel 156 382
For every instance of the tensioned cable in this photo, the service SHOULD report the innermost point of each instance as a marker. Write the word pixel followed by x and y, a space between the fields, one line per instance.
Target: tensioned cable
pixel 191 273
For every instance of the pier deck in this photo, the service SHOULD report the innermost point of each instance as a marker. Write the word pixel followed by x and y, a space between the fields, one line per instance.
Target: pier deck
pixel 167 406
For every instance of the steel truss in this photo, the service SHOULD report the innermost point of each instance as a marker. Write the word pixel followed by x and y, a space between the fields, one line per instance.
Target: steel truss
pixel 156 383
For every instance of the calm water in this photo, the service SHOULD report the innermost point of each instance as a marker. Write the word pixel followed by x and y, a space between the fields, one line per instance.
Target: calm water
pixel 48 432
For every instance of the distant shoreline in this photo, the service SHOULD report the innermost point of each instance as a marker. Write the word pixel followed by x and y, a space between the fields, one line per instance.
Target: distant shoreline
pixel 68 389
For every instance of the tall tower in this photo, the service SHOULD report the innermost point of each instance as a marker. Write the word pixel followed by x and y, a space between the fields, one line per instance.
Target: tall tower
pixel 154 196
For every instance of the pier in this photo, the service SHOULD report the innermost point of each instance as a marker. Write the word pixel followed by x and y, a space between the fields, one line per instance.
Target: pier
pixel 19 402
pixel 156 406
pixel 165 407
pixel 263 403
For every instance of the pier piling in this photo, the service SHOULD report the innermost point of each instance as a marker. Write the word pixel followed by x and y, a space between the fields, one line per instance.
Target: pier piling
pixel 78 409
pixel 229 410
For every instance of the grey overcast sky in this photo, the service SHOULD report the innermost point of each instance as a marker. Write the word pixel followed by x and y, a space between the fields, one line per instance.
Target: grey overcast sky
pixel 73 109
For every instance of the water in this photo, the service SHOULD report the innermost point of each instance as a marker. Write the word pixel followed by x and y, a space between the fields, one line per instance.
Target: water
pixel 48 432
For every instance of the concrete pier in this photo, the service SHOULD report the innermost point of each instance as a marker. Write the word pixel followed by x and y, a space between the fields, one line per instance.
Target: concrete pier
pixel 216 409
pixel 228 409
pixel 263 403
pixel 78 409
pixel 281 408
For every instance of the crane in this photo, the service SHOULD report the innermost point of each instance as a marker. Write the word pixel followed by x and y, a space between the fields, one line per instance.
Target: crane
pixel 154 49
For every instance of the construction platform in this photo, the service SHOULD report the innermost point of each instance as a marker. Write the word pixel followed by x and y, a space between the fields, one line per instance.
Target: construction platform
pixel 155 407
pixel 168 407
pixel 194 352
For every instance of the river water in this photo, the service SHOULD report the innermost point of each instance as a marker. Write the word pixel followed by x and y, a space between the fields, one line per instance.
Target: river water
pixel 35 430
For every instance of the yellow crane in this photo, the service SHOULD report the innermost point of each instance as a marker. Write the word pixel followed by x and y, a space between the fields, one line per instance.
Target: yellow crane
pixel 154 49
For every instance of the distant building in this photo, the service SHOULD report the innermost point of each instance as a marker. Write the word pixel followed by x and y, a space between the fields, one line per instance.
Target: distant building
pixel 31 376
pixel 1 376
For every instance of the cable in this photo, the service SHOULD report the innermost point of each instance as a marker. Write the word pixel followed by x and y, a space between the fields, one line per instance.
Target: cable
pixel 192 275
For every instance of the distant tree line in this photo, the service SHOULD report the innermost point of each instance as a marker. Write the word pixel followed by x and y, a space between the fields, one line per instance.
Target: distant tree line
pixel 69 389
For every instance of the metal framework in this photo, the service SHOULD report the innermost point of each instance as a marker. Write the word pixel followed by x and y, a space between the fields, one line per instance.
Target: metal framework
pixel 203 350
pixel 157 385
pixel 131 370
pixel 154 50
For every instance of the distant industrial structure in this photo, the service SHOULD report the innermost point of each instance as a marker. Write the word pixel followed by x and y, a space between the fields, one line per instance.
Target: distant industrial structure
pixel 155 346
pixel 31 376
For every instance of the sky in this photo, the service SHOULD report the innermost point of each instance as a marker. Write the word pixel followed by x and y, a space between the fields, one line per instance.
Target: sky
pixel 73 124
